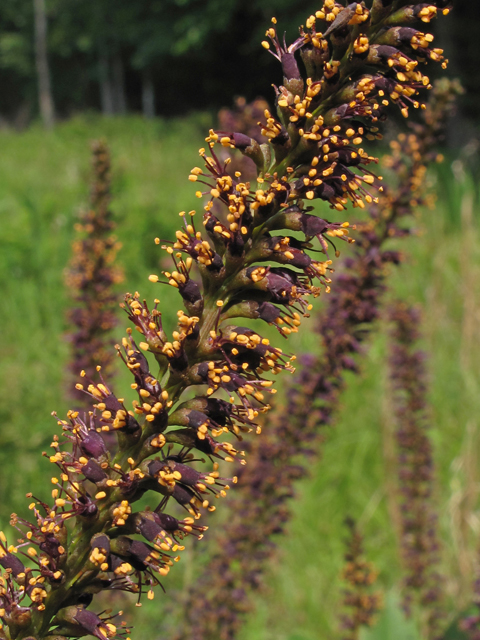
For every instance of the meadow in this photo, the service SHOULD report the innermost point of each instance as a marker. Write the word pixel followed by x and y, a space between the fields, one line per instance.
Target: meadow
pixel 44 184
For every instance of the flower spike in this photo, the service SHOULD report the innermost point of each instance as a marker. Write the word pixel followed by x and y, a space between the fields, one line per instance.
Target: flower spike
pixel 242 259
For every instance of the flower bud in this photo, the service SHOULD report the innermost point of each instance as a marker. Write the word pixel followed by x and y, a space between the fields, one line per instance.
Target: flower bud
pixel 268 312
pixel 87 622
pixel 290 68
pixel 85 506
pixel 396 36
pixel 125 421
pixel 140 552
pixel 11 562
pixel 167 522
pixel 101 541
pixel 146 525
pixel 405 14
pixel 93 445
pixel 184 496
pixel 51 546
pixel 93 472
pixel 292 79
pixel 285 250
pixel 188 418
pixel 249 147
pixel 153 526
pixel 191 293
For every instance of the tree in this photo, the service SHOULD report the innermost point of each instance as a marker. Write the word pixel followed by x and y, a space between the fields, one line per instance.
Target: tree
pixel 45 98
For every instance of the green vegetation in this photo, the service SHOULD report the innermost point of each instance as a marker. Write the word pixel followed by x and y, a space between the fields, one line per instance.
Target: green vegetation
pixel 170 56
pixel 43 182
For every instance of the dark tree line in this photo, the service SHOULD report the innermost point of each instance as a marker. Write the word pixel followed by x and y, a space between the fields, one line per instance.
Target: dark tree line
pixel 159 57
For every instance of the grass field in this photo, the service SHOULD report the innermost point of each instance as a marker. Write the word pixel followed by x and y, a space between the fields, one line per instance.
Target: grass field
pixel 43 184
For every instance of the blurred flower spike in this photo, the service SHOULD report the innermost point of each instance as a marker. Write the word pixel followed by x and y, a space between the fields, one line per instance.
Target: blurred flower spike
pixel 360 602
pixel 241 262
pixel 93 276
pixel 260 507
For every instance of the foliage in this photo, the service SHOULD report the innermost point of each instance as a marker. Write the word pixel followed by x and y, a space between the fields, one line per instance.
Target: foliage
pixel 178 44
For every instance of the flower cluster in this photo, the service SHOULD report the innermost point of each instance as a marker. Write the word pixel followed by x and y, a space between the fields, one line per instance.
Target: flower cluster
pixel 244 117
pixel 247 118
pixel 92 276
pixel 205 385
pixel 418 536
pixel 359 601
pixel 259 506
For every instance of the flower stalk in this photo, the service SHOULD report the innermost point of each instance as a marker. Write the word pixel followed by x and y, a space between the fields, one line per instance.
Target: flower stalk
pixel 92 277
pixel 206 384
pixel 216 604
pixel 361 604
pixel 419 543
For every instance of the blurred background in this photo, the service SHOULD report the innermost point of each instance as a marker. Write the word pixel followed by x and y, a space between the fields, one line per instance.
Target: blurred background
pixel 164 57
pixel 150 76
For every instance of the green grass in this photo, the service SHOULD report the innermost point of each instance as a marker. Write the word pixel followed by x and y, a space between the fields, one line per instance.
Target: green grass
pixel 43 184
